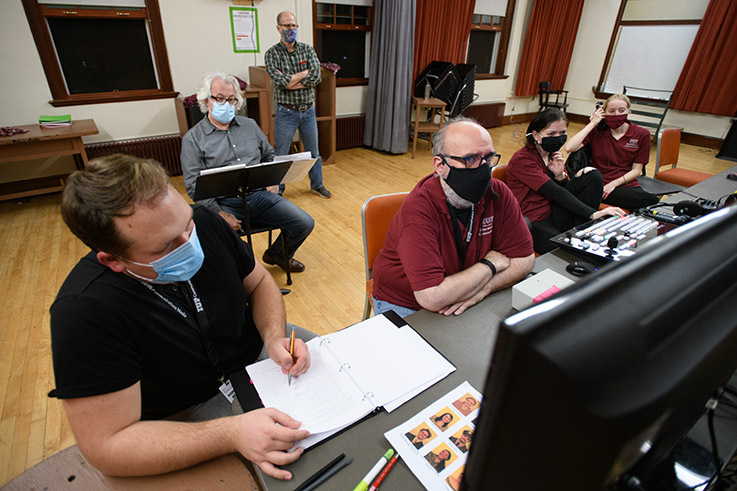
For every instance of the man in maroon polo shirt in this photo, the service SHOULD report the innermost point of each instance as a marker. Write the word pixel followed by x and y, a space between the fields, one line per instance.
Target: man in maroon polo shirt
pixel 459 235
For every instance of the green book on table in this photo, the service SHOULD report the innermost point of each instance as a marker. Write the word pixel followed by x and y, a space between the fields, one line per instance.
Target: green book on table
pixel 61 119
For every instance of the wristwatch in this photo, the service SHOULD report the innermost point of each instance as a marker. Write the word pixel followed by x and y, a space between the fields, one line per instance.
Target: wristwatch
pixel 489 264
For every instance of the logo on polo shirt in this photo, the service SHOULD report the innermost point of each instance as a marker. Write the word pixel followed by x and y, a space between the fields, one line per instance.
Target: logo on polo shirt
pixel 633 144
pixel 487 225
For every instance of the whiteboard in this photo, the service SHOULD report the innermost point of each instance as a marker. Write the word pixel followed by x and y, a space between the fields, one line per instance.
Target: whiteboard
pixel 650 57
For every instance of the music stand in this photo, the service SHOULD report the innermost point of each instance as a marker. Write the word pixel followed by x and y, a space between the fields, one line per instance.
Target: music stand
pixel 239 180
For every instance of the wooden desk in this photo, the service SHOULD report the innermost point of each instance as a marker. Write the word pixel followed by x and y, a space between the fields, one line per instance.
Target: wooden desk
pixel 69 470
pixel 46 142
pixel 429 126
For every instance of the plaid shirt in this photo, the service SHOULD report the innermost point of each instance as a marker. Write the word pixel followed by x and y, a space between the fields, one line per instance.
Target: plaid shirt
pixel 281 65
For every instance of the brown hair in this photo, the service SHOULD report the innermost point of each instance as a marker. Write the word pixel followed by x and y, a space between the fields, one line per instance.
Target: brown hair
pixel 109 187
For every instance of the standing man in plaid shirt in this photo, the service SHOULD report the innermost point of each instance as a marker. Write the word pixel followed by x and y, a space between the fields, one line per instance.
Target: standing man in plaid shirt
pixel 294 70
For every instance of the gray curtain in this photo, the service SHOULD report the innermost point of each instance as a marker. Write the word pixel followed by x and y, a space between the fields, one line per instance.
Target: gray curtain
pixel 390 76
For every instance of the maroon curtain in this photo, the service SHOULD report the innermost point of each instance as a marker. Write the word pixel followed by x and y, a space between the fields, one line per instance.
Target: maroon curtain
pixel 708 80
pixel 548 46
pixel 441 32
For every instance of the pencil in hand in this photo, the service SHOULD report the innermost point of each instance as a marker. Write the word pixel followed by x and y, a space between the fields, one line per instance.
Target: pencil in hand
pixel 291 353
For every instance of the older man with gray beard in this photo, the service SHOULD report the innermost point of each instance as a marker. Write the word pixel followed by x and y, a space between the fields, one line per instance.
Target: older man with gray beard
pixel 459 235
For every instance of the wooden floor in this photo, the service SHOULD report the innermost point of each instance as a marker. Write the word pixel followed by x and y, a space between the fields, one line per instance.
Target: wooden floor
pixel 38 251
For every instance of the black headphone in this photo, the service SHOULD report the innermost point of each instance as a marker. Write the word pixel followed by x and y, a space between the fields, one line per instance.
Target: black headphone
pixel 688 208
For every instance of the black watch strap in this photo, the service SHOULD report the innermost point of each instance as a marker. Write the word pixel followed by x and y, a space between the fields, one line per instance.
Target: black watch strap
pixel 489 264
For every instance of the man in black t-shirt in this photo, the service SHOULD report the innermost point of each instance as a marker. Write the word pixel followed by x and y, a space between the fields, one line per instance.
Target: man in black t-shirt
pixel 150 324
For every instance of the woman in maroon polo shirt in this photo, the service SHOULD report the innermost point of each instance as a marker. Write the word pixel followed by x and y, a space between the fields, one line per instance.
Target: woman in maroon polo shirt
pixel 619 149
pixel 551 200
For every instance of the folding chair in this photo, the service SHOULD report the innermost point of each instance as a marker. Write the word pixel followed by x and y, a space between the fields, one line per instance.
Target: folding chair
pixel 377 214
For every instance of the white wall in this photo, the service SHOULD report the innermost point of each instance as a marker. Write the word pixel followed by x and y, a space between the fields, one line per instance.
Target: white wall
pixel 198 40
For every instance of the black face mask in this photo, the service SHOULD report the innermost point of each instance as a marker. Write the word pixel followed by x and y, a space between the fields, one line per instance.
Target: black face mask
pixel 552 144
pixel 469 184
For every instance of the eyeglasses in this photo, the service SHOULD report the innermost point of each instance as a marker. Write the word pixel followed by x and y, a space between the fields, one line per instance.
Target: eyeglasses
pixel 220 99
pixel 474 159
pixel 289 26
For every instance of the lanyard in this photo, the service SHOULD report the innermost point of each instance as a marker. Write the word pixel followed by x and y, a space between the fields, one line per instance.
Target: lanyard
pixel 203 325
pixel 461 245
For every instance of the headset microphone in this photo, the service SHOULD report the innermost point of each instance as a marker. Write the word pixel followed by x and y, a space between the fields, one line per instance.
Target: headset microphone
pixel 688 208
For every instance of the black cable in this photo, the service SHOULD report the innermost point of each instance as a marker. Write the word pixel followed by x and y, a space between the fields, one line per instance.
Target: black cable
pixel 713 437
pixel 730 390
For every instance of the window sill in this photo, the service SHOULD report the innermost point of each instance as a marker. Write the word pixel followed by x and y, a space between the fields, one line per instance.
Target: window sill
pixel 108 97
pixel 350 82
pixel 490 76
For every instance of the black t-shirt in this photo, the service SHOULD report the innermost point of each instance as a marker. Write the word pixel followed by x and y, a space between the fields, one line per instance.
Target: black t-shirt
pixel 108 330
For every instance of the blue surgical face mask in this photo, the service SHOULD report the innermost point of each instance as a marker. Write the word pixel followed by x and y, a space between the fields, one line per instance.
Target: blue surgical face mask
pixel 289 35
pixel 224 112
pixel 181 264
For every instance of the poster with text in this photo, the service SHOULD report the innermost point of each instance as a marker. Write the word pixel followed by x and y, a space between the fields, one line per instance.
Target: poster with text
pixel 244 26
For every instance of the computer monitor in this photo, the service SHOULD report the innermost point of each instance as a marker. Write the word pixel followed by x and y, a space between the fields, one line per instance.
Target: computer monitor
pixel 594 388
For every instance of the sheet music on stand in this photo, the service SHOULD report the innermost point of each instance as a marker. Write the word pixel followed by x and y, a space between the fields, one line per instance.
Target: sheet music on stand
pixel 237 179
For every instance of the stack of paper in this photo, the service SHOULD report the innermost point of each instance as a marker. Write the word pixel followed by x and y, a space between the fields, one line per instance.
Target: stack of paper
pixel 354 372
pixel 55 121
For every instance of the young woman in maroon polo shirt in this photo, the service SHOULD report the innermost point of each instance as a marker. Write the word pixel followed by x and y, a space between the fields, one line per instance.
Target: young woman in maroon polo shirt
pixel 550 199
pixel 620 151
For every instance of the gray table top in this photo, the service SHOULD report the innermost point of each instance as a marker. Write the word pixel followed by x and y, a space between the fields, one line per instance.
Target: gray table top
pixel 467 341
pixel 712 189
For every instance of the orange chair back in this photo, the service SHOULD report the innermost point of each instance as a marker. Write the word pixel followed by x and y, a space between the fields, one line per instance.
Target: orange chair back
pixel 377 214
pixel 669 145
pixel 500 172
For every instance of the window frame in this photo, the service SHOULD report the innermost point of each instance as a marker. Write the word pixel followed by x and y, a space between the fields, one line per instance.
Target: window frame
pixel 333 26
pixel 505 30
pixel 37 14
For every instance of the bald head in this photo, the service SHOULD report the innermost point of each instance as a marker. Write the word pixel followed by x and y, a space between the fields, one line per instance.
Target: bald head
pixel 286 17
pixel 457 135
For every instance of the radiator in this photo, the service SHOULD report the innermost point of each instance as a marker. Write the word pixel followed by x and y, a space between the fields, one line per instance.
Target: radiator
pixel 349 131
pixel 489 115
pixel 165 149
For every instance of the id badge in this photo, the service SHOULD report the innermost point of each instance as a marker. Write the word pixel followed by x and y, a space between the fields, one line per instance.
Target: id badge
pixel 227 390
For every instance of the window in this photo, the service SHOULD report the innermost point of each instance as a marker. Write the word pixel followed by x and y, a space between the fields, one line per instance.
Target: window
pixel 489 37
pixel 343 36
pixel 95 53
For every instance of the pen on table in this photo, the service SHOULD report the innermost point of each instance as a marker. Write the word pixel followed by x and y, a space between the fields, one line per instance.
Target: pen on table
pixel 330 473
pixel 291 353
pixel 317 475
pixel 383 474
pixel 364 484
